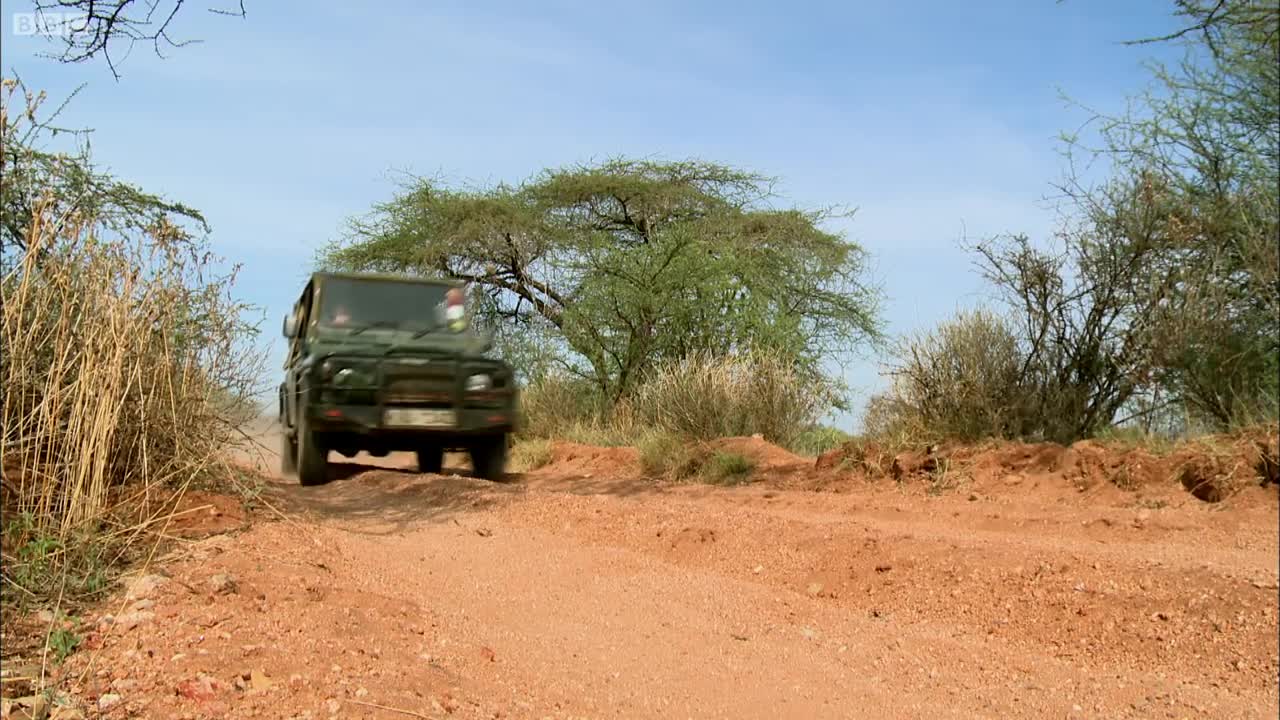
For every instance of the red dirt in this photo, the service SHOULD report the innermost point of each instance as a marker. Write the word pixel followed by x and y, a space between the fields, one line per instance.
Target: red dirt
pixel 765 455
pixel 588 460
pixel 1012 581
pixel 1211 469
pixel 197 514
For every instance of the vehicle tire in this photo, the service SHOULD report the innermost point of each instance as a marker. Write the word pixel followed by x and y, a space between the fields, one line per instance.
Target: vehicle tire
pixel 430 459
pixel 288 454
pixel 313 457
pixel 489 458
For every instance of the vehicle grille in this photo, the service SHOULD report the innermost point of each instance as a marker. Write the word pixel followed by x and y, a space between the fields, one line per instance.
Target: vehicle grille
pixel 429 384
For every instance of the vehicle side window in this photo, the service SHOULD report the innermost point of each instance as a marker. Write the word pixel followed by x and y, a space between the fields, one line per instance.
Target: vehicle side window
pixel 304 315
pixel 301 316
pixel 293 341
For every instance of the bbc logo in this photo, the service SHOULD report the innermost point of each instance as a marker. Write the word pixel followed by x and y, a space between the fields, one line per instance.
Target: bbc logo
pixel 50 24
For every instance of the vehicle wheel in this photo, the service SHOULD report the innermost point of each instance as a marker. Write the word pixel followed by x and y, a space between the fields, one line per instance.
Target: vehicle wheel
pixel 430 459
pixel 313 457
pixel 288 454
pixel 489 458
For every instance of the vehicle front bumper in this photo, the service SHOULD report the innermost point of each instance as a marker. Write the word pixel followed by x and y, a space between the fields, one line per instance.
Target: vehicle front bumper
pixel 369 420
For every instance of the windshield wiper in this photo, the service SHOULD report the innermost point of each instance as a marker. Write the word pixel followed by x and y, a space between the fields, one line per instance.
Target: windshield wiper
pixel 374 324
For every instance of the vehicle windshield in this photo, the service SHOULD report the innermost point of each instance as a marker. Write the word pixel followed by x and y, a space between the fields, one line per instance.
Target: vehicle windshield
pixel 356 304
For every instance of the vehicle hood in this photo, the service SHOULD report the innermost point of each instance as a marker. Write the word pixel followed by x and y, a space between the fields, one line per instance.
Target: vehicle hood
pixel 383 341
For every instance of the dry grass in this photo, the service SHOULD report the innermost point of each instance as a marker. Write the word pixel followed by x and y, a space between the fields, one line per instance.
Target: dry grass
pixel 530 455
pixel 1215 467
pixel 554 406
pixel 1136 438
pixel 943 478
pixel 867 457
pixel 698 398
pixel 963 381
pixel 818 440
pixel 617 430
pixel 124 376
pixel 1266 447
pixel 704 397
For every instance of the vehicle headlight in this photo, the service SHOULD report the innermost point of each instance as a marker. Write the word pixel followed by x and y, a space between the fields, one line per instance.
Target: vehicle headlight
pixel 479 383
pixel 346 373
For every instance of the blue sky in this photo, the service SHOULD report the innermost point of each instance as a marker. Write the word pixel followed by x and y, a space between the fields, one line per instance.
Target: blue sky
pixel 936 119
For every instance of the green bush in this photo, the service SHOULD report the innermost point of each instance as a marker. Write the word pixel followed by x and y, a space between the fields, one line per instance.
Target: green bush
pixel 667 455
pixel 664 454
pixel 726 468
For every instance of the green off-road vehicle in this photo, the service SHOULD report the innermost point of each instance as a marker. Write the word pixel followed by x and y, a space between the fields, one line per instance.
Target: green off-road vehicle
pixel 382 363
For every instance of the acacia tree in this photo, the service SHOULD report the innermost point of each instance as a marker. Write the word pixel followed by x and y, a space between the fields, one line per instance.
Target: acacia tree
pixel 63 180
pixel 614 267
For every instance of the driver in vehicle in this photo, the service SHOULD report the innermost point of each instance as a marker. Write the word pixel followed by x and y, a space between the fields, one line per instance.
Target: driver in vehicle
pixel 340 316
pixel 454 313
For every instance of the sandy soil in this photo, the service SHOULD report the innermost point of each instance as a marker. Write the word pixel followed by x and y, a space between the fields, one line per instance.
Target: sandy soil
pixel 582 590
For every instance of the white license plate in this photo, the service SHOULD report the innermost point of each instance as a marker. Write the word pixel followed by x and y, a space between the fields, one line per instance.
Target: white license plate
pixel 419 417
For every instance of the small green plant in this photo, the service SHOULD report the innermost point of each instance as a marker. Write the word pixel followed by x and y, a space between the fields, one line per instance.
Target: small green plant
pixel 62 642
pixel 726 468
pixel 44 566
pixel 667 455
pixel 32 569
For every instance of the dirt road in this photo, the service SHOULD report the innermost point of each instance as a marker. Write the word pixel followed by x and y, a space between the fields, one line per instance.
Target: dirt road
pixel 581 590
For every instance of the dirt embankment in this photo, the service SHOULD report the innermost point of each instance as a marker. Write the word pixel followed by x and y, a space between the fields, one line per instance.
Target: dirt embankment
pixel 1007 581
pixel 1211 468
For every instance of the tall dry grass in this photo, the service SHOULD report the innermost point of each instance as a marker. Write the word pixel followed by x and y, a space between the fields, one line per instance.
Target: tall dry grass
pixel 706 397
pixel 700 397
pixel 558 406
pixel 126 369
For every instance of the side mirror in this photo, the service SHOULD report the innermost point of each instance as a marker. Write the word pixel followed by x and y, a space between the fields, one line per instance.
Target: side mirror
pixel 290 325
